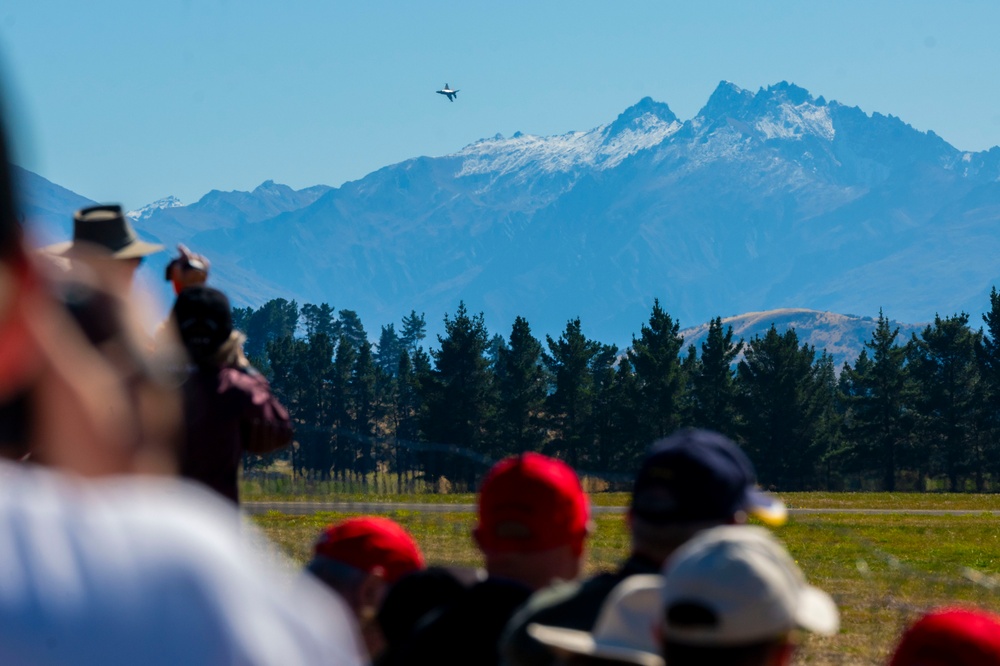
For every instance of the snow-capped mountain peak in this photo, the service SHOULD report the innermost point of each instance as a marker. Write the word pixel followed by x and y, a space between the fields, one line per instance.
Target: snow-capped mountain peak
pixel 782 111
pixel 728 99
pixel 147 210
pixel 644 114
pixel 641 126
pixel 787 111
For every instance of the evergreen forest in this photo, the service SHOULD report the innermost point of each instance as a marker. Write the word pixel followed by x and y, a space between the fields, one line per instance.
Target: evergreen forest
pixel 914 414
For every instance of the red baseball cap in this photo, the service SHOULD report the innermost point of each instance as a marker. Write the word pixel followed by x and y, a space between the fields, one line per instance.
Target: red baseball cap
pixel 372 544
pixel 951 637
pixel 529 503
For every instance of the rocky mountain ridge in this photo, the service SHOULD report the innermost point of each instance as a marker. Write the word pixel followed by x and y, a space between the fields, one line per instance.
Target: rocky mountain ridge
pixel 764 200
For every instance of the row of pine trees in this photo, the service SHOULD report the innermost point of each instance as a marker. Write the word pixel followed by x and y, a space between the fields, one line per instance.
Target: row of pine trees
pixel 910 414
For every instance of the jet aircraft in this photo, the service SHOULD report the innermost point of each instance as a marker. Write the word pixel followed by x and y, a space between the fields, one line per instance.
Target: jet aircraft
pixel 449 92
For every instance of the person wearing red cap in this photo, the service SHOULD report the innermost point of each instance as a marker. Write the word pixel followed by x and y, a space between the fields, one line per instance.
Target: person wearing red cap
pixel 533 520
pixel 951 637
pixel 691 481
pixel 360 559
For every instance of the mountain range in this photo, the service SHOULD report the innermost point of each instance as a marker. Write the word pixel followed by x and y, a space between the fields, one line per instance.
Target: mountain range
pixel 764 200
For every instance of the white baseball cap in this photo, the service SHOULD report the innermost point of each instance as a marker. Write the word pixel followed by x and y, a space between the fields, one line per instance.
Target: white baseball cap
pixel 625 629
pixel 736 585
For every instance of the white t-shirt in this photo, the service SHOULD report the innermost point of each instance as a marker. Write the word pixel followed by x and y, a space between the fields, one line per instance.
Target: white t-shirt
pixel 147 571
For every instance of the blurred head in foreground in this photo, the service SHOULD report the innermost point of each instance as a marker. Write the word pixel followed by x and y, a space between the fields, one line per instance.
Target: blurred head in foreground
pixel 691 481
pixel 411 598
pixel 204 321
pixel 361 559
pixel 76 388
pixel 733 595
pixel 625 631
pixel 126 569
pixel 951 637
pixel 104 239
pixel 533 520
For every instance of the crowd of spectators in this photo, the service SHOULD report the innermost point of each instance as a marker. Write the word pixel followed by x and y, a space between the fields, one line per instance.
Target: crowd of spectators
pixel 121 541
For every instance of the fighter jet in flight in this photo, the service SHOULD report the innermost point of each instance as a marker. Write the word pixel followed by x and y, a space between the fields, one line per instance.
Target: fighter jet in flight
pixel 449 92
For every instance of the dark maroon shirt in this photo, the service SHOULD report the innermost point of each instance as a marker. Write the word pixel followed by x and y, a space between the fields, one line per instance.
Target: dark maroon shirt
pixel 228 411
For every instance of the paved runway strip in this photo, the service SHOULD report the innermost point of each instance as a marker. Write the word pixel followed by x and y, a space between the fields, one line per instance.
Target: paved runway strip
pixel 309 508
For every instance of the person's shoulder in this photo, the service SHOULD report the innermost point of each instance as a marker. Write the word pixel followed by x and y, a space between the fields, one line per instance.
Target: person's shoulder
pixel 566 597
pixel 467 631
pixel 553 596
pixel 246 380
pixel 483 602
pixel 237 375
pixel 151 564
pixel 487 602
pixel 572 604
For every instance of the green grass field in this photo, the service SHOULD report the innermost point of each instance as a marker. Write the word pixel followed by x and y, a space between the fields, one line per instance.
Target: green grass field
pixel 882 569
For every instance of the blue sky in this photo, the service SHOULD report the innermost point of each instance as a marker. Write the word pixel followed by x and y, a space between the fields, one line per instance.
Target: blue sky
pixel 132 101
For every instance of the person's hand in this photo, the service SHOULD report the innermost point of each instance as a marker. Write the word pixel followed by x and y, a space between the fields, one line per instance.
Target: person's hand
pixel 187 269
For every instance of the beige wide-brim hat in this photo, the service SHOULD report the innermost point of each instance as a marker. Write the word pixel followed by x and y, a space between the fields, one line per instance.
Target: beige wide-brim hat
pixel 625 630
pixel 103 229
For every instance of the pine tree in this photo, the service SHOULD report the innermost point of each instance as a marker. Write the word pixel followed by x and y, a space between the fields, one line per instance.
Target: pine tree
pixel 611 387
pixel 406 409
pixel 622 439
pixel 352 330
pixel 284 357
pixel 459 395
pixel 989 345
pixel 342 408
pixel 988 354
pixel 690 368
pixel 275 319
pixel 300 370
pixel 367 412
pixel 714 387
pixel 950 397
pixel 320 319
pixel 496 346
pixel 776 386
pixel 827 415
pixel 571 361
pixel 655 356
pixel 413 332
pixel 389 349
pixel 876 391
pixel 521 389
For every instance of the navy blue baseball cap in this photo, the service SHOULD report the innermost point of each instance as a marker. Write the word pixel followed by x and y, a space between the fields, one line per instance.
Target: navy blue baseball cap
pixel 697 476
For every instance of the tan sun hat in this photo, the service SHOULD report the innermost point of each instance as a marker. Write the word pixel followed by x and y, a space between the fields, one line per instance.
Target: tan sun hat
pixel 105 228
pixel 625 630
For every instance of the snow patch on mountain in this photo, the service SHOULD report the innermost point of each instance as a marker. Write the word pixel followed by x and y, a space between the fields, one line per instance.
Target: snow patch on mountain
pixel 714 144
pixel 642 126
pixel 160 204
pixel 796 121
